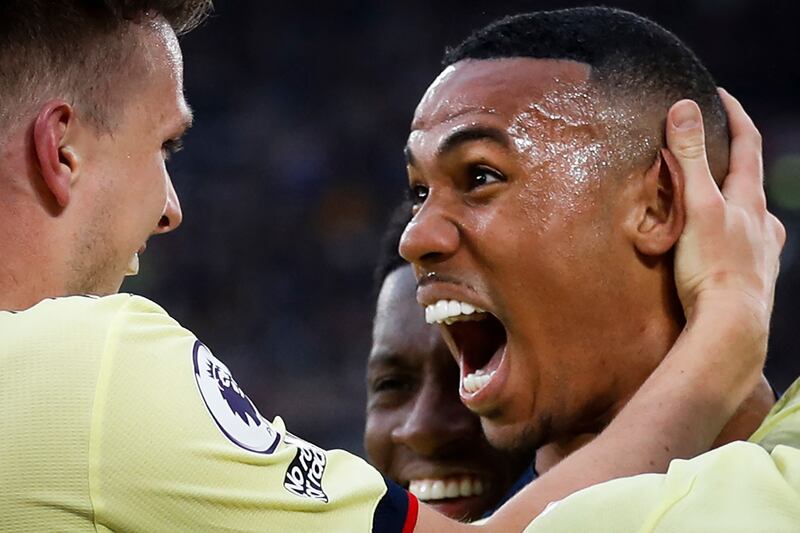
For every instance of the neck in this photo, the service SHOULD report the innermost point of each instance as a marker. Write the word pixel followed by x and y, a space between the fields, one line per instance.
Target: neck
pixel 33 227
pixel 743 424
pixel 551 454
pixel 23 288
pixel 28 265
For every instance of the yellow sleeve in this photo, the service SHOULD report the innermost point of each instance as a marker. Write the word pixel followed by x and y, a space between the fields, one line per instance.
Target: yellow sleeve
pixel 177 446
pixel 737 488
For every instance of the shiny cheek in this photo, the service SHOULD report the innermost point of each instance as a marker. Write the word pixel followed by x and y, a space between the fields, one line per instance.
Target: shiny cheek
pixel 561 184
pixel 501 241
pixel 518 256
pixel 554 203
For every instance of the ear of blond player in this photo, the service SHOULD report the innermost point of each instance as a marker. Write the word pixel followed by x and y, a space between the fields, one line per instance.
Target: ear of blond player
pixel 726 266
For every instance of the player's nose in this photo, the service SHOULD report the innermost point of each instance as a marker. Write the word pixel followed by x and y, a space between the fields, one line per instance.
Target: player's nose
pixel 431 236
pixel 434 426
pixel 172 216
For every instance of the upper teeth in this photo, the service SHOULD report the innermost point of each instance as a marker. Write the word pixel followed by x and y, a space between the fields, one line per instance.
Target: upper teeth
pixel 439 489
pixel 449 311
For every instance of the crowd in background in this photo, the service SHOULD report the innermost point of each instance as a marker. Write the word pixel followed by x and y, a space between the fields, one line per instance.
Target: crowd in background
pixel 302 111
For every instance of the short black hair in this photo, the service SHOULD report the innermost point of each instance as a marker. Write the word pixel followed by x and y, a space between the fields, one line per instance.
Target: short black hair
pixel 389 258
pixel 630 57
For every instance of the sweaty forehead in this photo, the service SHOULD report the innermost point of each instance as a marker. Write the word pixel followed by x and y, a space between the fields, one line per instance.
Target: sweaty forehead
pixel 161 74
pixel 500 87
pixel 161 48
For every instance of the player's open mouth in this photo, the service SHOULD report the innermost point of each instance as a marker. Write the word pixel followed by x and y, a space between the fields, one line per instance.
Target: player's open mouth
pixel 479 338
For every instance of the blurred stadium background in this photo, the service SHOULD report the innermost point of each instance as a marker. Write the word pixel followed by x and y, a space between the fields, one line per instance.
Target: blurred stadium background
pixel 302 112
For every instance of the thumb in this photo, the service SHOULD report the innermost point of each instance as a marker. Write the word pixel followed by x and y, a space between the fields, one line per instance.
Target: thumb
pixel 686 143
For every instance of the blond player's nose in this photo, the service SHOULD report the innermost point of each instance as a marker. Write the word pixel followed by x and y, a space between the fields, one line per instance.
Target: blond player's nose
pixel 172 216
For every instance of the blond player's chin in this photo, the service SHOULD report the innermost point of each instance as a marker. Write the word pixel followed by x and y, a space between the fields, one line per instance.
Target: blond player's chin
pixel 133 265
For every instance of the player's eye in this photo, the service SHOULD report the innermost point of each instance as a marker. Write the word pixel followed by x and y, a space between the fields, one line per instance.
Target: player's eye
pixel 391 383
pixel 417 194
pixel 481 175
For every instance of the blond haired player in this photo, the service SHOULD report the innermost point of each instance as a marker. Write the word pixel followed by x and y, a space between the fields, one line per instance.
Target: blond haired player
pixel 116 418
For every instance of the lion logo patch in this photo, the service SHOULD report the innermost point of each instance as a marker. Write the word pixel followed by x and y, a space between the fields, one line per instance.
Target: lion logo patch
pixel 231 409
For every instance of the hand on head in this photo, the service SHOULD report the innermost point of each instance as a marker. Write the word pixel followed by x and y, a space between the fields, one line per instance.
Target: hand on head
pixel 726 265
pixel 727 257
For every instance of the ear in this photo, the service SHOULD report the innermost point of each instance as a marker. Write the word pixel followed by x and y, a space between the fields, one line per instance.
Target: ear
pixel 658 218
pixel 57 160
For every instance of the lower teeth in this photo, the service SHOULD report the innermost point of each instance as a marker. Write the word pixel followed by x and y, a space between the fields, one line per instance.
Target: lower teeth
pixel 476 381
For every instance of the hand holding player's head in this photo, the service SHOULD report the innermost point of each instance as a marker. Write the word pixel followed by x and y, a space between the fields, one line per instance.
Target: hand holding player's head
pixel 728 254
pixel 418 433
pixel 535 164
pixel 91 104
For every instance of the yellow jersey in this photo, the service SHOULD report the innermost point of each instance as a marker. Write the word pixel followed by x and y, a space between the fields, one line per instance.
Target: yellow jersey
pixel 116 418
pixel 747 487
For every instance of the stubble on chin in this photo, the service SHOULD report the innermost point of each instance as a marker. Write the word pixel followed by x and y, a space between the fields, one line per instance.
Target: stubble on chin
pixel 94 275
pixel 95 267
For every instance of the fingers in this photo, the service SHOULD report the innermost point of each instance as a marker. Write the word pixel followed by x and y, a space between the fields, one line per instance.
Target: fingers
pixel 687 151
pixel 745 181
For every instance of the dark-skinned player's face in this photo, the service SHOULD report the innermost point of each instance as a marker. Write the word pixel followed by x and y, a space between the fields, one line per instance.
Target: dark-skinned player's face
pixel 418 433
pixel 516 244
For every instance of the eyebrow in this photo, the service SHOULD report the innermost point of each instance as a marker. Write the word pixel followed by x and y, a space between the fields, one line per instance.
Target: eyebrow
pixel 384 358
pixel 463 136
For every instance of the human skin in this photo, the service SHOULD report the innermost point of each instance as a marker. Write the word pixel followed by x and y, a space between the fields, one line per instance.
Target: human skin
pixel 53 188
pixel 418 433
pixel 520 213
pixel 726 265
pixel 92 197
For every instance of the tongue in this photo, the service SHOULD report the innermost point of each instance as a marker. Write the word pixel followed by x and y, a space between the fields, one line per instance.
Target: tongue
pixel 478 342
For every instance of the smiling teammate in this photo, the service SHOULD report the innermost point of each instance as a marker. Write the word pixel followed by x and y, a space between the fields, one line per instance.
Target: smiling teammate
pixel 116 418
pixel 418 433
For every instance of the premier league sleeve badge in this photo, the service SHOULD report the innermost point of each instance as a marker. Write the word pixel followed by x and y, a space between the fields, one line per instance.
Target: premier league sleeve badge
pixel 231 409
